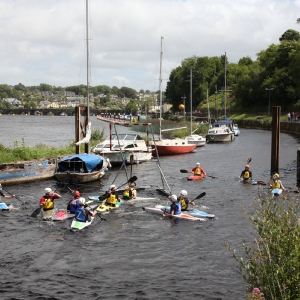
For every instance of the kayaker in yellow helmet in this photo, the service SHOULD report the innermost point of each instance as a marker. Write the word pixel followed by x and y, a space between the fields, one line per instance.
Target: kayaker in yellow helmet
pixel 276 183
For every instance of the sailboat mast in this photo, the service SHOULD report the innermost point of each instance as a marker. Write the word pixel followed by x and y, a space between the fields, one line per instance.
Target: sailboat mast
pixel 160 87
pixel 225 87
pixel 87 56
pixel 191 93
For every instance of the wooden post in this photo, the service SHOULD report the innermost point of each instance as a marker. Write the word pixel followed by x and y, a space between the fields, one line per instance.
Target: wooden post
pixel 276 110
pixel 77 129
pixel 298 167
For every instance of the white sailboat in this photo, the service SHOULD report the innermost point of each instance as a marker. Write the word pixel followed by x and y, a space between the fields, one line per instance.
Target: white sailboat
pixel 196 139
pixel 168 146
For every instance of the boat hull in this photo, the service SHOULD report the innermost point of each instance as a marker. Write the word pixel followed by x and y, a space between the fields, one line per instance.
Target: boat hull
pixel 26 171
pixel 172 147
pixel 196 139
pixel 79 177
pixel 219 138
pixel 196 177
pixel 117 158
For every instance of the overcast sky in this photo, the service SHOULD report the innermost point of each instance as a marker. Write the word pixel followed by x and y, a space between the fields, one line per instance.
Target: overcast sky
pixel 44 41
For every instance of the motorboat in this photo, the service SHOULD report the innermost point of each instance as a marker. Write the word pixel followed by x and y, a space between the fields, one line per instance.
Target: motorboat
pixel 236 130
pixel 131 148
pixel 221 131
pixel 197 139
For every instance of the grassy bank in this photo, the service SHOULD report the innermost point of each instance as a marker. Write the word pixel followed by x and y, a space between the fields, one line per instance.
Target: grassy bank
pixel 22 152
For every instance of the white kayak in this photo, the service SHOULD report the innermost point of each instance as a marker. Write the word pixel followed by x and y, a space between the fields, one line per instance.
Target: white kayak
pixel 9 207
pixel 276 192
pixel 159 209
pixel 193 212
pixel 80 225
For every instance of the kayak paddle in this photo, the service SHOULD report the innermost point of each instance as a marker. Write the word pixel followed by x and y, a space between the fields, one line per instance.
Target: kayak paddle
pixel 184 171
pixel 199 196
pixel 15 196
pixel 36 212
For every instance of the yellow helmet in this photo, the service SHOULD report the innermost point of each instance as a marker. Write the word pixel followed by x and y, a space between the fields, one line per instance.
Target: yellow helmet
pixel 275 176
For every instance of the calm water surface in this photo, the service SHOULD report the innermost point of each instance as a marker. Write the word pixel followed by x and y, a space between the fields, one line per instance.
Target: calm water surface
pixel 134 254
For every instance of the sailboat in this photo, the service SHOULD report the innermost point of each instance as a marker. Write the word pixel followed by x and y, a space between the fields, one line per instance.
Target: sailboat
pixel 197 139
pixel 168 146
pixel 85 167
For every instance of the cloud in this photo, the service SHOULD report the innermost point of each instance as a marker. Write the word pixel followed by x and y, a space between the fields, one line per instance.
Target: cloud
pixel 44 41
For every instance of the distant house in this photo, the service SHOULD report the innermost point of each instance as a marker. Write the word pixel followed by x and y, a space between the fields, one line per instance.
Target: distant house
pixel 44 104
pixel 13 101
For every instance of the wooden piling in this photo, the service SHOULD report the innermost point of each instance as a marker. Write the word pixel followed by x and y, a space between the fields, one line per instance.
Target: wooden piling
pixel 276 111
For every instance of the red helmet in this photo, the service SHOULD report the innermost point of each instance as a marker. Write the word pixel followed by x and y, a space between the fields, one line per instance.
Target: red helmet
pixel 76 194
pixel 247 167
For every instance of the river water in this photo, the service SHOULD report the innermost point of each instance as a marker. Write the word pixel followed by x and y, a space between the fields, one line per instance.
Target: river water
pixel 135 254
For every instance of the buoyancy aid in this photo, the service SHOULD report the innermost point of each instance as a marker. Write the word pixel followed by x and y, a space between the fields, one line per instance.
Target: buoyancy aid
pixel 183 203
pixel 246 175
pixel 178 209
pixel 197 171
pixel 80 214
pixel 112 199
pixel 126 194
pixel 48 204
pixel 276 184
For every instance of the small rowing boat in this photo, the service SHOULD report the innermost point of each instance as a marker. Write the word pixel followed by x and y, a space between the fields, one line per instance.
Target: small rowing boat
pixel 159 209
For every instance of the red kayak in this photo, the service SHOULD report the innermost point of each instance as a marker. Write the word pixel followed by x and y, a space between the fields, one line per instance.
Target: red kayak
pixel 196 177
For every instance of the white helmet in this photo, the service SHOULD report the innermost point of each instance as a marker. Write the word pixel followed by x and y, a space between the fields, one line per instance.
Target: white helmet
pixel 183 193
pixel 81 200
pixel 198 164
pixel 112 186
pixel 173 198
pixel 48 190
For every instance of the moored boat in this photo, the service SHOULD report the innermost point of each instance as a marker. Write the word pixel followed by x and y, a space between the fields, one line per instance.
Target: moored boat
pixel 80 168
pixel 26 171
pixel 196 139
pixel 221 131
pixel 236 130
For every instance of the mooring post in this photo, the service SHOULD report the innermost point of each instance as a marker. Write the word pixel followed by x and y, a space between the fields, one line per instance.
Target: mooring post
pixel 276 110
pixel 77 129
pixel 298 167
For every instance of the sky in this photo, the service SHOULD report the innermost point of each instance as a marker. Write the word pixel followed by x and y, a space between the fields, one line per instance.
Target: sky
pixel 44 41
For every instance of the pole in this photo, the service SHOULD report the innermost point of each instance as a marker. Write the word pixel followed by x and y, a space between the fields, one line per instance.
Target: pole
pixel 216 103
pixel 191 93
pixel 225 87
pixel 269 89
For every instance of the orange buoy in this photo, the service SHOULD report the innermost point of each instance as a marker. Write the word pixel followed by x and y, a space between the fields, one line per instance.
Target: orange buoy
pixel 181 107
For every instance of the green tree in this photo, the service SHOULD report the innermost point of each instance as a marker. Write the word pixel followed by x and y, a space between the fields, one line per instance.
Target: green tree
pixel 290 35
pixel 131 107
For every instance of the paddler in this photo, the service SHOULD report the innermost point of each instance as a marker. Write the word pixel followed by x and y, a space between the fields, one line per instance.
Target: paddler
pixel 184 201
pixel 130 191
pixel 74 203
pixel 198 170
pixel 175 207
pixel 276 183
pixel 82 213
pixel 5 196
pixel 112 196
pixel 246 174
pixel 47 201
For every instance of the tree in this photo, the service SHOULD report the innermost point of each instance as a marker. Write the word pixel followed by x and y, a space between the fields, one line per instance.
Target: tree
pixel 290 35
pixel 131 107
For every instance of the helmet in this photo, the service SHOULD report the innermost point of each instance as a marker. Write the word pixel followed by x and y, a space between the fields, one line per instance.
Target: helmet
pixel 48 190
pixel 76 194
pixel 81 200
pixel 113 186
pixel 275 176
pixel 183 193
pixel 173 198
pixel 198 164
pixel 247 167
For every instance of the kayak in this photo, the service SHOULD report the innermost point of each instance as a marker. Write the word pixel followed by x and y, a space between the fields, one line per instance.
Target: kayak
pixel 276 192
pixel 196 177
pixel 10 207
pixel 192 212
pixel 80 225
pixel 103 207
pixel 159 209
pixel 96 198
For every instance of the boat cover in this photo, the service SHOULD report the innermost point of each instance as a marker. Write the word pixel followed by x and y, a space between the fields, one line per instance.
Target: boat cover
pixel 84 163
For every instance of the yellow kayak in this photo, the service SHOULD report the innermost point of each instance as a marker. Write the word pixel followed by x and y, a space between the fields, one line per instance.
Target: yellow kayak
pixel 103 207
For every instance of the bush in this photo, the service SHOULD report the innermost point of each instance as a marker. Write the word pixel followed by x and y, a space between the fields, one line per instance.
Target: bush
pixel 272 261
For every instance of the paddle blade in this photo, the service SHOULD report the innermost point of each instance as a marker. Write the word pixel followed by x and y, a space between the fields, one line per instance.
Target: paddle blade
pixel 163 192
pixel 132 179
pixel 200 196
pixel 36 212
pixel 249 160
pixel 184 171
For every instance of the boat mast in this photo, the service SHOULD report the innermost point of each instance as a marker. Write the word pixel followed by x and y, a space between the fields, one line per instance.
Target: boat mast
pixel 87 113
pixel 225 87
pixel 160 87
pixel 191 93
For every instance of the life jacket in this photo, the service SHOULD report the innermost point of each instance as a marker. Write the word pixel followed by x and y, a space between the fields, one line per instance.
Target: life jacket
pixel 112 199
pixel 197 171
pixel 126 194
pixel 48 204
pixel 246 175
pixel 178 209
pixel 183 204
pixel 275 184
pixel 73 208
pixel 80 214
